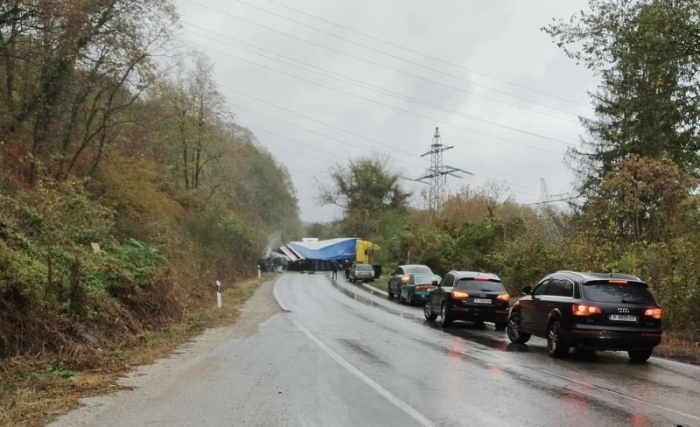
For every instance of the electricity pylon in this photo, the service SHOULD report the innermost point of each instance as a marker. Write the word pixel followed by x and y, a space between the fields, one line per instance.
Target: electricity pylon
pixel 546 213
pixel 436 175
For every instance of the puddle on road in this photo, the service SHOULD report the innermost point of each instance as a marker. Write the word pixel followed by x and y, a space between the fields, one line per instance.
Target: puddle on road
pixel 363 351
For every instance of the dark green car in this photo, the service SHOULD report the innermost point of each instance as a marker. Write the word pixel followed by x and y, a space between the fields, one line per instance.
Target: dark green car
pixel 418 288
pixel 361 273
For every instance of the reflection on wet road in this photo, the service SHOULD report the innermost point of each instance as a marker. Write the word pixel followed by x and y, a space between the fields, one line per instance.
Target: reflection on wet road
pixel 472 375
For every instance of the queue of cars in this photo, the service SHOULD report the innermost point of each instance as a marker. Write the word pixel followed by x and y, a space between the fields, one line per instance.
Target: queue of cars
pixel 588 311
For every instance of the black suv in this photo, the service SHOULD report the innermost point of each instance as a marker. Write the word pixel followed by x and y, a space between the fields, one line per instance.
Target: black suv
pixel 470 296
pixel 594 311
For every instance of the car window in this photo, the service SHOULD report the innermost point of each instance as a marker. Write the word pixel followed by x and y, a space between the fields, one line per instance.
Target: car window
pixel 541 288
pixel 632 293
pixel 470 285
pixel 418 269
pixel 364 267
pixel 560 288
pixel 423 279
pixel 448 281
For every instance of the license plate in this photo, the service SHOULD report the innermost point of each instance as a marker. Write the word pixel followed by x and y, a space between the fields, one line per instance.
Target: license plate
pixel 482 301
pixel 623 317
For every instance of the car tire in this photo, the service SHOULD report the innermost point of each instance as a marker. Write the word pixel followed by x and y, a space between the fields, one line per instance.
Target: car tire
pixel 640 356
pixel 445 320
pixel 501 326
pixel 515 335
pixel 555 347
pixel 428 312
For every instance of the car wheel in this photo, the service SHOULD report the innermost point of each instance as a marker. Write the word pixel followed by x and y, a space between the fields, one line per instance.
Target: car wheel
pixel 501 326
pixel 445 320
pixel 555 347
pixel 428 312
pixel 515 335
pixel 640 356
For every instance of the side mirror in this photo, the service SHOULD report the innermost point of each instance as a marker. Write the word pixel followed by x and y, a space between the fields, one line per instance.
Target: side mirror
pixel 436 283
pixel 527 290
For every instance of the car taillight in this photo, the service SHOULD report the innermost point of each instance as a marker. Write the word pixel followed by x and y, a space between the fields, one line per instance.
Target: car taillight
pixel 653 312
pixel 422 288
pixel 459 295
pixel 584 310
pixel 405 279
pixel 503 297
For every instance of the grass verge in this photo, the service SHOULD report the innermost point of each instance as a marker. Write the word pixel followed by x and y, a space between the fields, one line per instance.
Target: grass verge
pixel 34 391
pixel 679 348
pixel 380 283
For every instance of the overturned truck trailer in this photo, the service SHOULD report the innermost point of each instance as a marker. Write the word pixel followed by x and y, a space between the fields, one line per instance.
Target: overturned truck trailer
pixel 316 255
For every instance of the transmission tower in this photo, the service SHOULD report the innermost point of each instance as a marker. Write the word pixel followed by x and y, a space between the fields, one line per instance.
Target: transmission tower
pixel 436 175
pixel 545 212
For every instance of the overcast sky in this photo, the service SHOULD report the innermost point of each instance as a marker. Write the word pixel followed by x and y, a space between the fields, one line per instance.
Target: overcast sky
pixel 507 101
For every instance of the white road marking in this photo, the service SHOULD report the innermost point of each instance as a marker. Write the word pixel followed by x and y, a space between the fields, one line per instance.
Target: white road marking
pixel 282 306
pixel 409 410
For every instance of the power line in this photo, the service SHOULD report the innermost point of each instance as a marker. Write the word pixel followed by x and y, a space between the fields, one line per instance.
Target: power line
pixel 530 189
pixel 306 129
pixel 377 102
pixel 407 49
pixel 371 62
pixel 259 129
pixel 336 139
pixel 235 40
pixel 380 89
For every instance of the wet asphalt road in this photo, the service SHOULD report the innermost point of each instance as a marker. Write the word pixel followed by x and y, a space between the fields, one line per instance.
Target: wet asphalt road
pixel 344 356
pixel 466 375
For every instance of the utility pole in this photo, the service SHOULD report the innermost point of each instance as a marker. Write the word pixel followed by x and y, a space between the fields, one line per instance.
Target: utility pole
pixel 436 175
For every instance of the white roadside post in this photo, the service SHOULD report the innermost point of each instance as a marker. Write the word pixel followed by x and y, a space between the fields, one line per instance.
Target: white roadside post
pixel 218 294
pixel 259 271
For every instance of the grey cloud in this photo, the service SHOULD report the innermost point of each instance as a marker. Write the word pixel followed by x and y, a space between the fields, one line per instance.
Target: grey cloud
pixel 476 34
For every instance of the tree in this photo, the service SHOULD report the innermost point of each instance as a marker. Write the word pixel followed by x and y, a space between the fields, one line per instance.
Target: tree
pixel 641 199
pixel 69 67
pixel 647 54
pixel 364 190
pixel 198 112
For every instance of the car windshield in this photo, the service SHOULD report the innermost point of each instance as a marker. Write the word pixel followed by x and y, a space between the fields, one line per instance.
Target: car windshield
pixel 418 269
pixel 423 279
pixel 471 285
pixel 364 267
pixel 631 293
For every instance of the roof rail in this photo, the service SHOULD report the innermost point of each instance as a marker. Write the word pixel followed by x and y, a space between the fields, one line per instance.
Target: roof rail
pixel 602 275
pixel 571 272
pixel 476 273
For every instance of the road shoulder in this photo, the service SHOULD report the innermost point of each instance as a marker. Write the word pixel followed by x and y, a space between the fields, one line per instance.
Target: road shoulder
pixel 187 358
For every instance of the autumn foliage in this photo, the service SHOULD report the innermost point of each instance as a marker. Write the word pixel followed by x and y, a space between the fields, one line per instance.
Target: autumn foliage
pixel 126 186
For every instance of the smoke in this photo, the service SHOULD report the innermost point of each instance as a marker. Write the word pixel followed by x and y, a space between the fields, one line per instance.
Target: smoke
pixel 274 240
